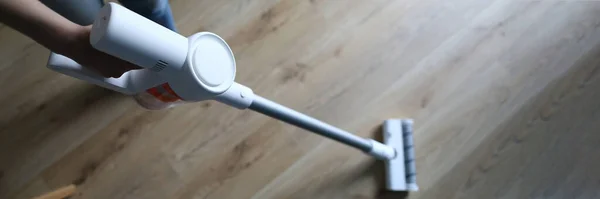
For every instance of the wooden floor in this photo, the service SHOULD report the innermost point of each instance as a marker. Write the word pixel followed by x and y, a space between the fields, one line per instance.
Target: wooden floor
pixel 505 95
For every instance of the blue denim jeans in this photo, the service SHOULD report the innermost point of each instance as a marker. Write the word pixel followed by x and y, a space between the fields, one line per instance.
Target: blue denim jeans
pixel 83 12
pixel 158 11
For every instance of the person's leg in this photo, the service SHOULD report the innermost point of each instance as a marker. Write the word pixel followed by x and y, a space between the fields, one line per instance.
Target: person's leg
pixel 158 11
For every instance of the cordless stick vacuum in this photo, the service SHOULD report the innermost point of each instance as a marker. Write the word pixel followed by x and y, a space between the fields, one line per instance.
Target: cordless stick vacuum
pixel 202 67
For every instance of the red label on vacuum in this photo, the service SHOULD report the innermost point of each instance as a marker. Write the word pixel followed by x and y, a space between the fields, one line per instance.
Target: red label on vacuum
pixel 164 93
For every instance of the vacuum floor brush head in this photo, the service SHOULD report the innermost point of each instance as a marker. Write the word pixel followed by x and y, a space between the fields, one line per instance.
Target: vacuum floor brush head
pixel 401 174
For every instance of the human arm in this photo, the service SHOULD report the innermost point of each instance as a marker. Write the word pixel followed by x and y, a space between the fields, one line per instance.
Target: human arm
pixel 60 35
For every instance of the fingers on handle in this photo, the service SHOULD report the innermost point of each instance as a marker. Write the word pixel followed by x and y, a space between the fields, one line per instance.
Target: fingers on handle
pixel 109 66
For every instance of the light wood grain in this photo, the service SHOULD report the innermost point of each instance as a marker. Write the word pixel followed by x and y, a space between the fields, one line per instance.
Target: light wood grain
pixel 504 95
pixel 60 193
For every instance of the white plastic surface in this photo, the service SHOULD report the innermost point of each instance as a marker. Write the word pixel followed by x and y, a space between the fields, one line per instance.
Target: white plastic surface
pixel 208 71
pixel 395 168
pixel 238 96
pixel 381 151
pixel 212 60
pixel 125 34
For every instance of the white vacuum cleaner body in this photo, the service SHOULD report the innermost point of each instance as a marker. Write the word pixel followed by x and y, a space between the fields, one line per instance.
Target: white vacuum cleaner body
pixel 202 67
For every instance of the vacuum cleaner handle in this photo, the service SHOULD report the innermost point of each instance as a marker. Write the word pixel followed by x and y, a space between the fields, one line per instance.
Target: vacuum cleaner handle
pixel 130 83
pixel 129 36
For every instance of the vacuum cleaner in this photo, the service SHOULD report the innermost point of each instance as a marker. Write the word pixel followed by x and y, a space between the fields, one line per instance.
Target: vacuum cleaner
pixel 202 67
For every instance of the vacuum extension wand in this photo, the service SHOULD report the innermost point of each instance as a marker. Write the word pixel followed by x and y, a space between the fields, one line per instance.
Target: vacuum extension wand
pixel 308 123
pixel 400 165
pixel 202 67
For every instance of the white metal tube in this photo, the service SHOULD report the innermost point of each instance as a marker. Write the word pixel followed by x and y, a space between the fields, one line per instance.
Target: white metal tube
pixel 277 111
